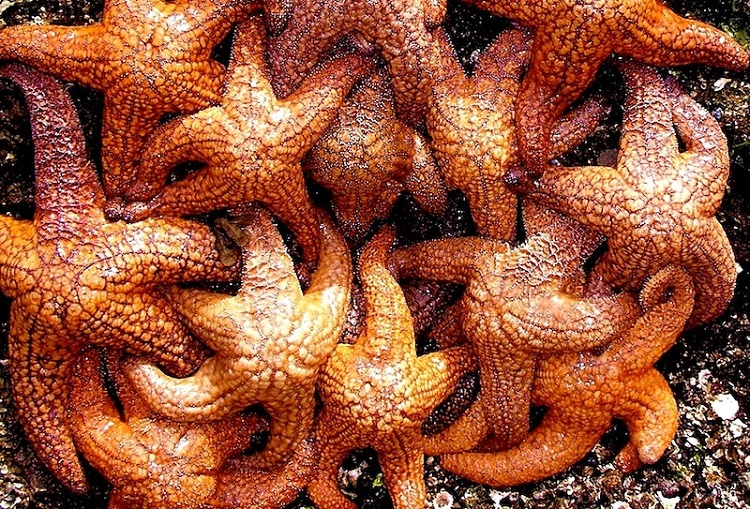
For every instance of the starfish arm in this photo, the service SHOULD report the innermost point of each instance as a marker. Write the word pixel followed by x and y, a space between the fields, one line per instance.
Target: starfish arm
pixel 334 444
pixel 465 433
pixel 440 371
pixel 505 59
pixel 650 412
pixel 434 12
pixel 449 75
pixel 448 331
pixel 661 37
pixel 554 445
pixel 402 461
pixel 332 279
pixel 451 260
pixel 574 127
pixel 18 256
pixel 424 181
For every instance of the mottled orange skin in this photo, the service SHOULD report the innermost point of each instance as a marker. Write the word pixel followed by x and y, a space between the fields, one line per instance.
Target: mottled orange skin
pixel 657 205
pixel 367 157
pixel 78 280
pixel 377 392
pixel 472 124
pixel 148 57
pixel 518 304
pixel 252 143
pixel 584 391
pixel 573 37
pixel 269 341
pixel 398 29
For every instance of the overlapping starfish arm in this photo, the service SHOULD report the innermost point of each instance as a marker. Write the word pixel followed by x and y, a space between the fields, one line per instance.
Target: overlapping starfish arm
pixel 656 207
pixel 150 460
pixel 270 340
pixel 368 156
pixel 584 391
pixel 363 383
pixel 569 46
pixel 397 29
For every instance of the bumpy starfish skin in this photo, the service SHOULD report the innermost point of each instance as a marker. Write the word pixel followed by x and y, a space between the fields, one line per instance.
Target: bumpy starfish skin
pixel 397 28
pixel 148 57
pixel 252 143
pixel 584 391
pixel 519 303
pixel 77 280
pixel 471 122
pixel 657 205
pixel 571 39
pixel 270 340
pixel 368 156
pixel 377 392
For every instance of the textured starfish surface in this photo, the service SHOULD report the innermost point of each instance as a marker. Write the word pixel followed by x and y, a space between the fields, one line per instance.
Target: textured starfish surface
pixel 150 460
pixel 657 205
pixel 367 157
pixel 270 340
pixel 148 57
pixel 251 143
pixel 471 122
pixel 584 391
pixel 571 39
pixel 398 29
pixel 77 280
pixel 519 303
pixel 377 392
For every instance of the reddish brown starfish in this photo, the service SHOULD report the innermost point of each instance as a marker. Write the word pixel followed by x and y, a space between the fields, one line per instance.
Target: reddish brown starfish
pixel 148 57
pixel 519 303
pixel 571 39
pixel 377 392
pixel 252 143
pixel 657 205
pixel 270 340
pixel 584 391
pixel 367 157
pixel 77 280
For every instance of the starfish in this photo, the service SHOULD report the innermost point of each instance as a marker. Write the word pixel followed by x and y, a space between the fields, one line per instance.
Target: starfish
pixel 78 280
pixel 270 340
pixel 153 461
pixel 584 391
pixel 377 392
pixel 657 205
pixel 471 122
pixel 398 29
pixel 571 40
pixel 367 157
pixel 520 303
pixel 148 57
pixel 252 143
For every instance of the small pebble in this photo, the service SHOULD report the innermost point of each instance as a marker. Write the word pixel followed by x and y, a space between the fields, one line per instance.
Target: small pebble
pixel 725 406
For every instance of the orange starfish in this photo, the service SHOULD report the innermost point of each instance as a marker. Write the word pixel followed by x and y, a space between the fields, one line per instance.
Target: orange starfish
pixel 270 340
pixel 252 143
pixel 377 392
pixel 397 29
pixel 471 121
pixel 584 391
pixel 148 57
pixel 657 205
pixel 571 39
pixel 367 157
pixel 155 462
pixel 77 280
pixel 520 303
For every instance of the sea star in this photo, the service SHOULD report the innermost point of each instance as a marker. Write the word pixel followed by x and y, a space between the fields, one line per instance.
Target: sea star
pixel 367 157
pixel 573 37
pixel 471 122
pixel 584 391
pixel 153 461
pixel 252 143
pixel 77 280
pixel 397 28
pixel 657 205
pixel 148 57
pixel 519 303
pixel 270 340
pixel 377 392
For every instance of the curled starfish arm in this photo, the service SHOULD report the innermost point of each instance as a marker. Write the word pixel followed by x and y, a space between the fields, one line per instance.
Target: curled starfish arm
pixel 468 431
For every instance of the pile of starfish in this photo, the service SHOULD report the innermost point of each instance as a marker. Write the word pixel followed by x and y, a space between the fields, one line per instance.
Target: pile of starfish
pixel 576 280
